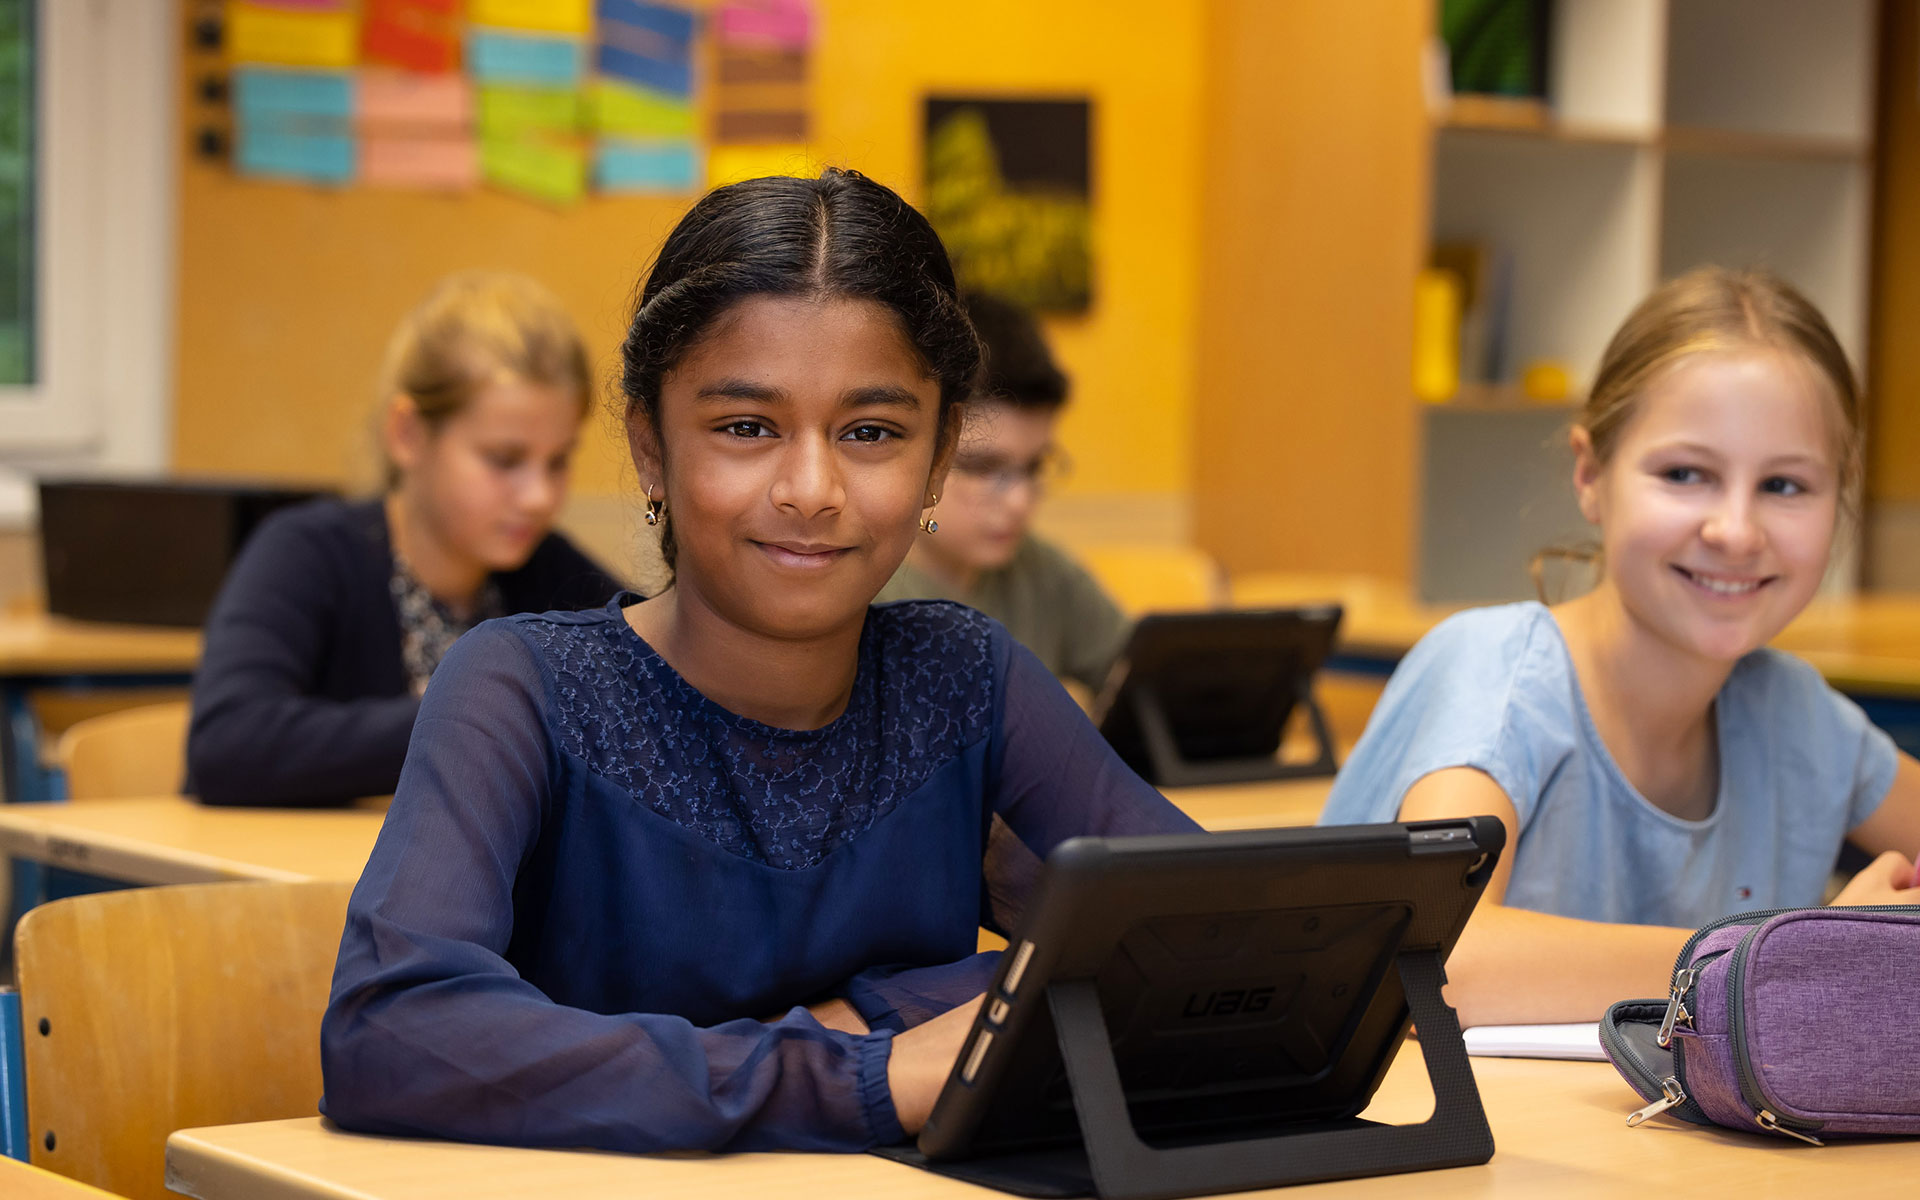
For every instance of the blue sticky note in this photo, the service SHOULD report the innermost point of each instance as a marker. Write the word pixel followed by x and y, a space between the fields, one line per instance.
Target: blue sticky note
pixel 494 56
pixel 623 166
pixel 266 95
pixel 316 158
pixel 658 74
pixel 661 19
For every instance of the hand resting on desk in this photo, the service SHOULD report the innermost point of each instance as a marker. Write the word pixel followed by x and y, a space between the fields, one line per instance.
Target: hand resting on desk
pixel 922 1059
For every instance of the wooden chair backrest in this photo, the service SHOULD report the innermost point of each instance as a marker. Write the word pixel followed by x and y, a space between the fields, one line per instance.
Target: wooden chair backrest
pixel 155 1009
pixel 134 752
pixel 1151 577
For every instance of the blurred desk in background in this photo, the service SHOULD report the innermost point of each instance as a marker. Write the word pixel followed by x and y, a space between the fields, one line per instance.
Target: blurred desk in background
pixel 173 839
pixel 1867 646
pixel 1254 805
pixel 42 653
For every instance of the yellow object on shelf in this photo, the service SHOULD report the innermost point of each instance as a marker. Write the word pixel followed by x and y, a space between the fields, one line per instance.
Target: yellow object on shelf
pixel 1436 335
pixel 1547 381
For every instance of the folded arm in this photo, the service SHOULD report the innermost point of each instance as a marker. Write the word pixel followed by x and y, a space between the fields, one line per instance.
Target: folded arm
pixel 1515 967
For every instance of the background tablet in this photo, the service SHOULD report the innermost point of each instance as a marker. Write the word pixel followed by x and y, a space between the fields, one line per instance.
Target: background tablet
pixel 1204 697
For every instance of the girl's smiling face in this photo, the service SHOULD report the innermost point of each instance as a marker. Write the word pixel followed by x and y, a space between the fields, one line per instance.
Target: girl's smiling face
pixel 798 442
pixel 1718 505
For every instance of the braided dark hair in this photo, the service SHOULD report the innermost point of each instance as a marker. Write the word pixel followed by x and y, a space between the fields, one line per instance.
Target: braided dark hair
pixel 839 235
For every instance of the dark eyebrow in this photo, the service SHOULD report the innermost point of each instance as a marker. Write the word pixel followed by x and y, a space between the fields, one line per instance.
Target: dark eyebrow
pixel 740 389
pixel 887 395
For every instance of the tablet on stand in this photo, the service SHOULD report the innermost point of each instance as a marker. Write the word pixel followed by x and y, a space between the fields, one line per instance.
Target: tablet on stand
pixel 1199 1013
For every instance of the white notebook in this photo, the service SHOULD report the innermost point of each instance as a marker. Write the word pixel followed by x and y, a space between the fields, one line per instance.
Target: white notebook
pixel 1581 1041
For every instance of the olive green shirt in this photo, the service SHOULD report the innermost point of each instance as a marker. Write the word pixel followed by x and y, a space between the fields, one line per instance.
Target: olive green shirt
pixel 1047 601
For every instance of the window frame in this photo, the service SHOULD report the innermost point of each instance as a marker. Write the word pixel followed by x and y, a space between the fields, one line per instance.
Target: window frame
pixel 105 178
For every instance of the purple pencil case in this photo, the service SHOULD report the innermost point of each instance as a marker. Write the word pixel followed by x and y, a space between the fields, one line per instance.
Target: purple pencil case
pixel 1796 1022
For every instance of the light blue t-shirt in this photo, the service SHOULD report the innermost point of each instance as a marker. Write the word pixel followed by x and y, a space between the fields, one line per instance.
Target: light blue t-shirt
pixel 1495 689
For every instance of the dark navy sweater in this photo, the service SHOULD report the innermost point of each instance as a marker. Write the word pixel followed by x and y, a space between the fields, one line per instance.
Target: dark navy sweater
pixel 301 697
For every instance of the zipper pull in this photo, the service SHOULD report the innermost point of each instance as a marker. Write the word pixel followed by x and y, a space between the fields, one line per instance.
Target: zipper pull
pixel 1671 1094
pixel 1677 1006
pixel 1771 1124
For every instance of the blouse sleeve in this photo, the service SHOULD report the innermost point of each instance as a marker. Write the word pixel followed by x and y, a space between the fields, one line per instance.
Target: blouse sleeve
pixel 431 1031
pixel 1058 778
pixel 260 734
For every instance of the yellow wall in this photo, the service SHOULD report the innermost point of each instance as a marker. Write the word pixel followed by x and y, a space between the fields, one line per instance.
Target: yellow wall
pixel 287 293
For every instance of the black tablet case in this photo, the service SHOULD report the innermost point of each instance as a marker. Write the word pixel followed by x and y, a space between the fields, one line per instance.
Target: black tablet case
pixel 1203 698
pixel 1210 1013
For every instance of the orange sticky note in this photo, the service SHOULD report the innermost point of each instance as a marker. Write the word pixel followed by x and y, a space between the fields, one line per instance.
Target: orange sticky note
pixel 431 163
pixel 404 100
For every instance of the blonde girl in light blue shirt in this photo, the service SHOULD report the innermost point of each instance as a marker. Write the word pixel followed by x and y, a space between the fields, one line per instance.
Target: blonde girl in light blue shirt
pixel 1657 767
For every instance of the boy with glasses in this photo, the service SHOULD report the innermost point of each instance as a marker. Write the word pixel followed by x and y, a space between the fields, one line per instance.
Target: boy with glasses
pixel 985 554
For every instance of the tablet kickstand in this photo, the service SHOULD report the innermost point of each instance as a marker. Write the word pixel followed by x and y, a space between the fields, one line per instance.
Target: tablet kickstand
pixel 1172 768
pixel 1125 1168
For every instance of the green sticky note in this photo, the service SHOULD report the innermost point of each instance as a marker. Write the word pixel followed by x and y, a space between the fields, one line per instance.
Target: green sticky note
pixel 543 170
pixel 638 112
pixel 508 112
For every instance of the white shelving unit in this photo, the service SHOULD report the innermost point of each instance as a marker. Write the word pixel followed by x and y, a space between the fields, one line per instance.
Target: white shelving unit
pixel 1680 132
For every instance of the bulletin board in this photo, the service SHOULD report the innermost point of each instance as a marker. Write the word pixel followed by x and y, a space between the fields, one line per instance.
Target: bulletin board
pixel 396 141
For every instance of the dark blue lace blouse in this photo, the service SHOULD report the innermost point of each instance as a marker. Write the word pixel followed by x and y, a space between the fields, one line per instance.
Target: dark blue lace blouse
pixel 595 886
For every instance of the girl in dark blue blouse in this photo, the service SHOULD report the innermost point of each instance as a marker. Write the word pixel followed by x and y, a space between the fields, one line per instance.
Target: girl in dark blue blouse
pixel 706 871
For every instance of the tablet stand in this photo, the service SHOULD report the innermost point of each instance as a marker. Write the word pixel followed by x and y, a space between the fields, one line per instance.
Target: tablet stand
pixel 1119 1166
pixel 1125 1168
pixel 1171 768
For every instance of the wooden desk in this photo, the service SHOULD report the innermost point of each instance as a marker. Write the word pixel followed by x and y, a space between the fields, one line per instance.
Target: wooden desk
pixel 1560 1130
pixel 1864 645
pixel 1254 805
pixel 170 839
pixel 18 1181
pixel 40 644
pixel 38 651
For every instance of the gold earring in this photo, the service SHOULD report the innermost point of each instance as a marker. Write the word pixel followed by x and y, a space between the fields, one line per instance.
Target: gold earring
pixel 656 509
pixel 928 524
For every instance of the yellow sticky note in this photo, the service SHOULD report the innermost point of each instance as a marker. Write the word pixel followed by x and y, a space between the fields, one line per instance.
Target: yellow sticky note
pixel 638 112
pixel 292 39
pixel 511 111
pixel 547 16
pixel 731 164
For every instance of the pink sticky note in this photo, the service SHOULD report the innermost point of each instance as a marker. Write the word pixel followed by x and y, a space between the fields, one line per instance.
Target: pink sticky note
pixel 776 22
pixel 439 163
pixel 402 100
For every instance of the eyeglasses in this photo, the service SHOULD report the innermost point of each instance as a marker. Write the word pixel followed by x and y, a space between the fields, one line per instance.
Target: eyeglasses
pixel 1000 476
